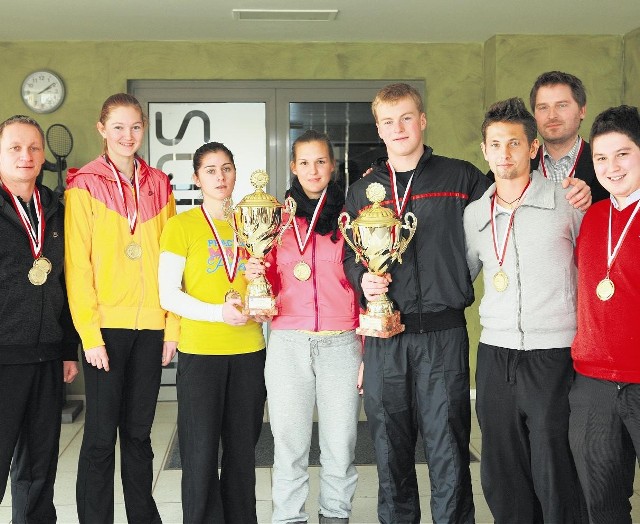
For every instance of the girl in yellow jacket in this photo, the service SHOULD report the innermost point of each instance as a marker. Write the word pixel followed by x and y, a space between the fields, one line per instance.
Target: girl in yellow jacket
pixel 116 207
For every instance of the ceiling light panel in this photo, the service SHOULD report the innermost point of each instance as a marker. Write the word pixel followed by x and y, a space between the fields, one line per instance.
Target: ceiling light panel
pixel 286 15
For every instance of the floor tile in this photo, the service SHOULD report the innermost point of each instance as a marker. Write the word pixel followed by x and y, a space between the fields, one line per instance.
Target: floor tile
pixel 67 433
pixel 167 491
pixel 367 482
pixel 635 507
pixel 161 437
pixel 483 514
pixel 476 445
pixel 65 488
pixel 263 484
pixel 166 412
pixel 6 501
pixel 168 486
pixel 424 484
pixel 67 513
pixel 170 512
pixel 365 510
pixel 476 486
pixel 68 459
pixel 263 511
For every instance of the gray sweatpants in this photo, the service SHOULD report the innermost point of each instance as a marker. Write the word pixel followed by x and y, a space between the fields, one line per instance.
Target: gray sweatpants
pixel 303 370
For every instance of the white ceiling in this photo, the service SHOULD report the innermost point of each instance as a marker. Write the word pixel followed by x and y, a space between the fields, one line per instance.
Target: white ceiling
pixel 357 20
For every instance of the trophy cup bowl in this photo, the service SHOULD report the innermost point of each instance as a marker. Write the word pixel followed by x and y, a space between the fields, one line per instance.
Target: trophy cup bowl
pixel 257 221
pixel 377 240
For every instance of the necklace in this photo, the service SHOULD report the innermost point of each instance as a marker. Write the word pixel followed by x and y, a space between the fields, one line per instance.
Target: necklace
pixel 506 202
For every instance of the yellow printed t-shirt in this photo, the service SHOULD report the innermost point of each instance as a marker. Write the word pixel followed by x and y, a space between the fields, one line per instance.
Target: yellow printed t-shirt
pixel 189 235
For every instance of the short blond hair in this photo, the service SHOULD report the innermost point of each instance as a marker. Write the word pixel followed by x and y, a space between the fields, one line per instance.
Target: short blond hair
pixel 393 93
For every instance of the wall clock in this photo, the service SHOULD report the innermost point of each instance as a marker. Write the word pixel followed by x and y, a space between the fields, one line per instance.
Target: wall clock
pixel 43 91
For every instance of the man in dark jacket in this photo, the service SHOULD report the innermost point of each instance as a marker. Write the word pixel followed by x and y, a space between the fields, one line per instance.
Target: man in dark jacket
pixel 559 104
pixel 38 345
pixel 419 379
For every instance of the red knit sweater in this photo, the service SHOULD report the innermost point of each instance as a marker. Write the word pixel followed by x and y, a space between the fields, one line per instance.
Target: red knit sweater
pixel 607 344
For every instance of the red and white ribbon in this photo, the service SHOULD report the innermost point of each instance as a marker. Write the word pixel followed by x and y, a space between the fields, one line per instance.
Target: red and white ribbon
pixel 575 163
pixel 302 244
pixel 400 207
pixel 612 254
pixel 132 217
pixel 36 236
pixel 230 266
pixel 501 252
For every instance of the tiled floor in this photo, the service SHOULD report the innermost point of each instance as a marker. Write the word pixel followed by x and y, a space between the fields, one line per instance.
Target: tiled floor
pixel 167 483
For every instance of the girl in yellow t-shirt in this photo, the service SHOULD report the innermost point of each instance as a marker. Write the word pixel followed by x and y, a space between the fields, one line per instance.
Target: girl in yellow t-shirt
pixel 220 381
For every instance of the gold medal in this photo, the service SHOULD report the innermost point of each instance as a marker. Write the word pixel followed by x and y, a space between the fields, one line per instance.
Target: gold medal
pixel 302 271
pixel 133 250
pixel 605 289
pixel 37 276
pixel 232 294
pixel 44 264
pixel 500 281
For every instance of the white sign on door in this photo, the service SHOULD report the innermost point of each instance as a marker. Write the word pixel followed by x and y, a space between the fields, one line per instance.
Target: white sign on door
pixel 176 130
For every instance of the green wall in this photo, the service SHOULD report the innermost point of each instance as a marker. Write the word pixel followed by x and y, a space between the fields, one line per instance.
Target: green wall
pixel 94 70
pixel 631 94
pixel 517 60
pixel 461 79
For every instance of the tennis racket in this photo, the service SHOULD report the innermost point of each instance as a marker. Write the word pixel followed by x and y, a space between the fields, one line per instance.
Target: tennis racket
pixel 60 142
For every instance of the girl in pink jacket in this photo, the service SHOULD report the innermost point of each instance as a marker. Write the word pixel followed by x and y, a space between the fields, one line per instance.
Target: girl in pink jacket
pixel 314 354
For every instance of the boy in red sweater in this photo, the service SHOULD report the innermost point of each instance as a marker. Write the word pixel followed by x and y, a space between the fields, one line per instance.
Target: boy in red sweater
pixel 604 428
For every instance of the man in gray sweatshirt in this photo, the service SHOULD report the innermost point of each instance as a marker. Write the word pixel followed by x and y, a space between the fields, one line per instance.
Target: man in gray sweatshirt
pixel 522 232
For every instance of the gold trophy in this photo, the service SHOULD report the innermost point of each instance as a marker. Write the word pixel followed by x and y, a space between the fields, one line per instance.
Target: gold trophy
pixel 257 220
pixel 378 241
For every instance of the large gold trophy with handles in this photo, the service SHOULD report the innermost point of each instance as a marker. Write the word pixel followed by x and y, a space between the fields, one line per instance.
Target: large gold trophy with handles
pixel 257 220
pixel 377 240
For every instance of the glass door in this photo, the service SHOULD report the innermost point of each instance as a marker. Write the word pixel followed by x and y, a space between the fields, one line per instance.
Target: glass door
pixel 258 121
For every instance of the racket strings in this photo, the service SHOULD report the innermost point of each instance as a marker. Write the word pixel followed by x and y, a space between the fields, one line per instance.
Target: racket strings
pixel 59 140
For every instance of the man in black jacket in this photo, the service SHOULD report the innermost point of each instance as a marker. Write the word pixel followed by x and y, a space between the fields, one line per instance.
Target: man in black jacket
pixel 419 379
pixel 38 345
pixel 559 103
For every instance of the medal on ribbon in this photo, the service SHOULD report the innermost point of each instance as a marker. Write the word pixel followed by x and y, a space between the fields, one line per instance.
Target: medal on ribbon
pixel 132 250
pixel 42 266
pixel 302 270
pixel 399 206
pixel 230 264
pixel 606 288
pixel 501 279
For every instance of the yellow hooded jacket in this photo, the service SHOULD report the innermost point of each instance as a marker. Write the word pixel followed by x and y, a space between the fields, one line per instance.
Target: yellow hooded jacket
pixel 106 288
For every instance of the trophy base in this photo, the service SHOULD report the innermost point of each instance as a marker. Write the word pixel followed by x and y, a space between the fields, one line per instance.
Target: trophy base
pixel 263 306
pixel 386 326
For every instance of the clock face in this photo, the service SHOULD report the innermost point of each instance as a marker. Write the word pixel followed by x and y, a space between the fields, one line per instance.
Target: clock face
pixel 43 91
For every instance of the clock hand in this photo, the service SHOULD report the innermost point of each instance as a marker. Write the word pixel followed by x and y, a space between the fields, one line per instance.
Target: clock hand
pixel 47 88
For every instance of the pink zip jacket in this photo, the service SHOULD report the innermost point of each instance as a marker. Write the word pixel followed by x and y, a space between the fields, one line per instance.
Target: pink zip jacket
pixel 324 302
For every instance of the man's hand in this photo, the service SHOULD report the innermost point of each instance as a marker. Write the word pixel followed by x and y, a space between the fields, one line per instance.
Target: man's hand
pixel 69 371
pixel 374 285
pixel 97 357
pixel 579 196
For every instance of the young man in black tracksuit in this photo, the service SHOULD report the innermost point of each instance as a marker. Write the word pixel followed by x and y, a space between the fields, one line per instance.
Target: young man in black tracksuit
pixel 38 345
pixel 419 379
